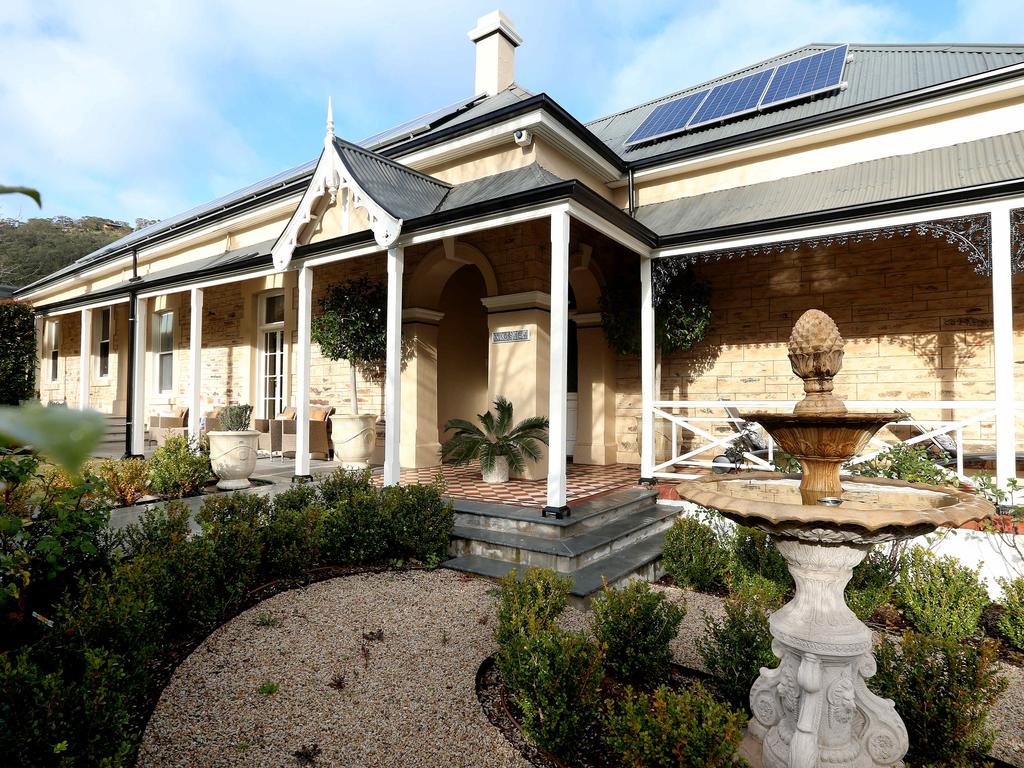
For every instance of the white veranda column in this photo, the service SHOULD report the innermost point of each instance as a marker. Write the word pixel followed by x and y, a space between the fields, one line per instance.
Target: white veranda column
pixel 302 373
pixel 1002 342
pixel 138 375
pixel 559 331
pixel 195 348
pixel 84 358
pixel 393 370
pixel 647 363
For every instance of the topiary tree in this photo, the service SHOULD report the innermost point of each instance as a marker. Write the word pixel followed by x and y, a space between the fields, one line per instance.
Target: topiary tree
pixel 17 352
pixel 352 325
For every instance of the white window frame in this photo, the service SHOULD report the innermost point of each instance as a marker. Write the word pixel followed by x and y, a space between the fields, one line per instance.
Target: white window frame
pixel 158 353
pixel 98 341
pixel 263 328
pixel 51 348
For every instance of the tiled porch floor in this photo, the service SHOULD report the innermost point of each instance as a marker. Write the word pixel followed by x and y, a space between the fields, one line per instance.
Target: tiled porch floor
pixel 583 481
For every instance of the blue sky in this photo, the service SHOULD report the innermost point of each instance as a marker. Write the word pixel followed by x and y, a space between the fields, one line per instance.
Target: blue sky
pixel 143 109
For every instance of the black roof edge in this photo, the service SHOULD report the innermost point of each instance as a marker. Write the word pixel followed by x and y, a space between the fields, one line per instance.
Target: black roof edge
pixel 814 121
pixel 850 213
pixel 540 101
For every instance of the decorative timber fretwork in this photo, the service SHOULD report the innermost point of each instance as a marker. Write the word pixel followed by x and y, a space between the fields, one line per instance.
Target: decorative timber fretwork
pixel 331 176
pixel 1017 240
pixel 972 236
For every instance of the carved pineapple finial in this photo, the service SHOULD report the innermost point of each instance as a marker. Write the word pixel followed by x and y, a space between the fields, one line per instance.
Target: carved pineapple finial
pixel 816 355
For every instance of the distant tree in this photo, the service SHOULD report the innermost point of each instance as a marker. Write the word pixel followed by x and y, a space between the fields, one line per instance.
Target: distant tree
pixel 17 352
pixel 140 223
pixel 33 249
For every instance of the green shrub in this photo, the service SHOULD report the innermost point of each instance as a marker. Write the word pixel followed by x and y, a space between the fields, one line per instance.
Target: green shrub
pixel 292 541
pixel 421 521
pixel 940 596
pixel 1011 623
pixel 694 556
pixel 943 690
pixel 635 625
pixel 339 486
pixel 358 530
pixel 235 418
pixel 127 480
pixel 17 352
pixel 735 647
pixel 874 580
pixel 297 498
pixel 554 678
pixel 233 526
pixel 688 729
pixel 178 468
pixel 768 594
pixel 912 463
pixel 529 604
pixel 754 552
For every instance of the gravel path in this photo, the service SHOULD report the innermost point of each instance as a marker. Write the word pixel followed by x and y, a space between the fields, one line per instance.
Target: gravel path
pixel 409 700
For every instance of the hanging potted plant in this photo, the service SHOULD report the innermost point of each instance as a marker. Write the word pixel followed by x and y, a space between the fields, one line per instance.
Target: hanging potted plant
pixel 499 446
pixel 233 448
pixel 352 326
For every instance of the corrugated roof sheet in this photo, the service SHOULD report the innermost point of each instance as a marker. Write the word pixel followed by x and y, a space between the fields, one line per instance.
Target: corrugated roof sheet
pixel 401 191
pixel 498 185
pixel 876 72
pixel 999 158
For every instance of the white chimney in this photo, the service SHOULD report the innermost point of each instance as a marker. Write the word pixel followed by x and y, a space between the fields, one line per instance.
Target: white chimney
pixel 496 42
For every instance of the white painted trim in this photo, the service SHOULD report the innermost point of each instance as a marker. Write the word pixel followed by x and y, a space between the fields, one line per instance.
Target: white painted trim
pixel 393 368
pixel 85 359
pixel 511 301
pixel 138 375
pixel 195 347
pixel 83 307
pixel 843 129
pixel 802 233
pixel 647 360
pixel 352 252
pixel 421 315
pixel 303 372
pixel 608 229
pixel 587 319
pixel 1002 343
pixel 559 366
pixel 486 222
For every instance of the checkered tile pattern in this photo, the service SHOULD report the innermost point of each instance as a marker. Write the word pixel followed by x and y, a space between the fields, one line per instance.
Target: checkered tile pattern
pixel 583 481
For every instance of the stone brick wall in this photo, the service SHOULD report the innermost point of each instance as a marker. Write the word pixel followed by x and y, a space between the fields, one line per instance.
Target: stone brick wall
pixel 916 317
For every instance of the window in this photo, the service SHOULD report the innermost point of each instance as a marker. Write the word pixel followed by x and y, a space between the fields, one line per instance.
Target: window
pixel 103 337
pixel 271 358
pixel 52 348
pixel 165 351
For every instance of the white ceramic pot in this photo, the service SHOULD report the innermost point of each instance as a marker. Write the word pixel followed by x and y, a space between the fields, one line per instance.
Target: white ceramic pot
pixel 233 457
pixel 354 437
pixel 499 474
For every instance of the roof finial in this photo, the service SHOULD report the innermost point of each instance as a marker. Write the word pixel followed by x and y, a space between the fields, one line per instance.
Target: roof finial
pixel 330 119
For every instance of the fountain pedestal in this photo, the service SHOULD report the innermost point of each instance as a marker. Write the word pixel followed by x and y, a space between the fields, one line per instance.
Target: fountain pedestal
pixel 814 709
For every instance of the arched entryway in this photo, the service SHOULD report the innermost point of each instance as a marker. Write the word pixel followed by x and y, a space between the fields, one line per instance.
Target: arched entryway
pixel 462 349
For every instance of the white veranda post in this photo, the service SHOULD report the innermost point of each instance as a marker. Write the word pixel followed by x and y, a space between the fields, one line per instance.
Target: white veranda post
pixel 1002 342
pixel 85 349
pixel 138 375
pixel 302 383
pixel 393 367
pixel 195 347
pixel 647 363
pixel 556 491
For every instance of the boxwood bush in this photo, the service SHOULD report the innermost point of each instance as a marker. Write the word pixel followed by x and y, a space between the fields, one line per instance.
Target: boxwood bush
pixel 940 596
pixel 178 468
pixel 694 556
pixel 1011 622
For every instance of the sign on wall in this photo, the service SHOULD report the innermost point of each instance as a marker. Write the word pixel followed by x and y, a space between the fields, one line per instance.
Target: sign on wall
pixel 509 337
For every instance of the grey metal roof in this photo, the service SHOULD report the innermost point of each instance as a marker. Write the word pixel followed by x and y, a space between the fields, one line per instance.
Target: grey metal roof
pixel 237 256
pixel 401 191
pixel 876 72
pixel 498 185
pixel 1000 158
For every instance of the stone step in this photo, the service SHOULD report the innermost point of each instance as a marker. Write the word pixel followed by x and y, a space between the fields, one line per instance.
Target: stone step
pixel 585 515
pixel 641 560
pixel 564 555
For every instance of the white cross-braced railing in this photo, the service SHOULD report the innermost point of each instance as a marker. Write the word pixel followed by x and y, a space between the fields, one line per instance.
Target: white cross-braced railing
pixel 708 449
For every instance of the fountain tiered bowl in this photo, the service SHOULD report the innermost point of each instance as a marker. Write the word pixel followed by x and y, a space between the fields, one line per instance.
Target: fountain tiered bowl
pixel 814 709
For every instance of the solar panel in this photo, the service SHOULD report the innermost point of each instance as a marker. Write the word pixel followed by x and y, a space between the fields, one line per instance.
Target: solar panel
pixel 667 118
pixel 807 76
pixel 732 98
pixel 415 126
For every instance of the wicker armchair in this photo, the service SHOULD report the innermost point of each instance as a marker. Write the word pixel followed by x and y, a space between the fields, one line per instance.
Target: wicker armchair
pixel 320 444
pixel 164 425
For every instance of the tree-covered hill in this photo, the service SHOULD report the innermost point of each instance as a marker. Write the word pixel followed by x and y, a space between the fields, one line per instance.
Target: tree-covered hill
pixel 33 249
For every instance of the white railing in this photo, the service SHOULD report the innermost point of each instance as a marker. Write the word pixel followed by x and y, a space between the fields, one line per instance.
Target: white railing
pixel 709 447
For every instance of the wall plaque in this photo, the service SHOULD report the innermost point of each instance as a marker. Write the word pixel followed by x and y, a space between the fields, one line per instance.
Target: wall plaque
pixel 508 337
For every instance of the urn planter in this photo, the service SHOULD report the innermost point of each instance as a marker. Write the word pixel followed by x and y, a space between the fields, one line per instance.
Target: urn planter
pixel 498 473
pixel 354 436
pixel 233 457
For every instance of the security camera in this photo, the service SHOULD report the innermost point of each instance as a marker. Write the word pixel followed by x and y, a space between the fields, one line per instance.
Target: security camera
pixel 523 137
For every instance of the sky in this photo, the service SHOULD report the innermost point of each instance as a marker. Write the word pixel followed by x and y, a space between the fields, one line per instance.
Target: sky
pixel 127 109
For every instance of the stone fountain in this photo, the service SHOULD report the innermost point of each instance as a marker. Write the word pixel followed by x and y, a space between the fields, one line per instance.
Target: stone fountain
pixel 814 709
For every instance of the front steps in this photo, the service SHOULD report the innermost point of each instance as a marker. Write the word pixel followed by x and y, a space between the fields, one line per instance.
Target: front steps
pixel 112 444
pixel 609 539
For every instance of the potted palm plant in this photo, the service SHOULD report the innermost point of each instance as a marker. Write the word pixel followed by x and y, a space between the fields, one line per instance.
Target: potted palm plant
pixel 352 326
pixel 499 446
pixel 233 447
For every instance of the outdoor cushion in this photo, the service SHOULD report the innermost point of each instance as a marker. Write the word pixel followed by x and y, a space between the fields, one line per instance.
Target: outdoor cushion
pixel 287 413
